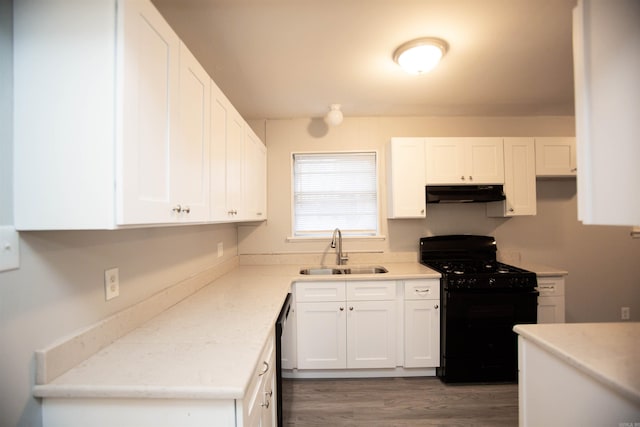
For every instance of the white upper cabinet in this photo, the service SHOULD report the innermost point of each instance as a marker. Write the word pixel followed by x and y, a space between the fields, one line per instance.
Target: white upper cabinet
pixel 254 177
pixel 556 157
pixel 456 161
pixel 123 135
pixel 519 179
pixel 406 178
pixel 606 46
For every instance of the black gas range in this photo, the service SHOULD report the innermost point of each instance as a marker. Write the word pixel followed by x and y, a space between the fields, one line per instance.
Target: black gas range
pixel 482 299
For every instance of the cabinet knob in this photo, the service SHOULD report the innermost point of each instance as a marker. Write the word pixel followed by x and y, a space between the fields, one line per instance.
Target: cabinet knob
pixel 573 170
pixel 462 177
pixel 470 178
pixel 510 209
pixel 350 308
pixel 341 308
pixel 436 306
pixel 177 209
pixel 422 211
pixel 186 209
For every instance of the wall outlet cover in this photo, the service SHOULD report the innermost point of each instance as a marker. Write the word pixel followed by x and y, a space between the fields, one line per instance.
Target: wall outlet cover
pixel 111 283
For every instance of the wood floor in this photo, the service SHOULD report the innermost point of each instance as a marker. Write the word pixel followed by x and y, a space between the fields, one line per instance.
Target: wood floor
pixel 398 402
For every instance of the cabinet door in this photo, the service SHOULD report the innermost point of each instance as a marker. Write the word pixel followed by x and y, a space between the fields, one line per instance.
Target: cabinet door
pixel 556 157
pixel 147 116
pixel 519 179
pixel 255 176
pixel 321 335
pixel 484 161
pixel 445 161
pixel 421 333
pixel 406 178
pixel 190 153
pixel 371 334
pixel 234 151
pixel 551 309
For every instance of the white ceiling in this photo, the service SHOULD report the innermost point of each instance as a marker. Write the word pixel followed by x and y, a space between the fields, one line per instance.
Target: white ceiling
pixel 292 58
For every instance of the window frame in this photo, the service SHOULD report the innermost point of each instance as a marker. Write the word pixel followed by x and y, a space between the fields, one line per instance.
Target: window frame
pixel 378 234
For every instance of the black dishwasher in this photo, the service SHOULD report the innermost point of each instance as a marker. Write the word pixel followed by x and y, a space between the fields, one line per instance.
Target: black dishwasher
pixel 281 326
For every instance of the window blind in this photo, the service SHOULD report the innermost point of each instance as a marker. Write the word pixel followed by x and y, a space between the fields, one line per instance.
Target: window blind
pixel 335 190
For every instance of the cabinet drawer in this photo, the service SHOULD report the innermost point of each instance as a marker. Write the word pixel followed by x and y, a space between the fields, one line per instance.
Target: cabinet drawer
pixel 320 291
pixel 371 290
pixel 422 289
pixel 550 286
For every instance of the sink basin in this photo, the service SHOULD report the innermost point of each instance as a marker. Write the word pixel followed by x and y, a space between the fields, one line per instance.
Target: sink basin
pixel 320 271
pixel 364 270
pixel 343 270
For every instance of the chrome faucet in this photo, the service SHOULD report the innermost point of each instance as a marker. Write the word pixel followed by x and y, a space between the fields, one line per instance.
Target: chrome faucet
pixel 342 258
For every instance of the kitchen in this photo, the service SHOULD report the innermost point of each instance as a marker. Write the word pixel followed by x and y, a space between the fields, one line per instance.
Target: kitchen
pixel 59 286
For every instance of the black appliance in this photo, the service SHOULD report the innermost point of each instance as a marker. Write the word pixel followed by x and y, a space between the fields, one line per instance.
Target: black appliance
pixel 464 193
pixel 281 327
pixel 482 299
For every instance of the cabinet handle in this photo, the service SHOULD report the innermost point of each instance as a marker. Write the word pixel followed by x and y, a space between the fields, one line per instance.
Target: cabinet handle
pixel 186 209
pixel 266 368
pixel 259 213
pixel 232 212
pixel 574 169
pixel 423 291
pixel 436 306
pixel 177 209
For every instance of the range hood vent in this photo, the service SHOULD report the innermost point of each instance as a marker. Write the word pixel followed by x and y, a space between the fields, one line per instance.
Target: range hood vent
pixel 464 193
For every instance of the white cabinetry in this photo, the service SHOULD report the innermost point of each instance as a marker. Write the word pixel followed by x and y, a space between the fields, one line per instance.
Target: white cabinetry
pixel 556 157
pixel 454 161
pixel 519 179
pixel 606 47
pixel 406 178
pixel 238 165
pixel 551 300
pixel 346 325
pixel 254 177
pixel 123 123
pixel 422 323
pixel 258 408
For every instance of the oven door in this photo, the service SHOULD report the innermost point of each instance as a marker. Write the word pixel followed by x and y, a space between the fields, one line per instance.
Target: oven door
pixel 478 342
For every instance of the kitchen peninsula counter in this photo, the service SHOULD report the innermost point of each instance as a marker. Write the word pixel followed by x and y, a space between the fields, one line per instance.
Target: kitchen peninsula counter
pixel 203 347
pixel 588 372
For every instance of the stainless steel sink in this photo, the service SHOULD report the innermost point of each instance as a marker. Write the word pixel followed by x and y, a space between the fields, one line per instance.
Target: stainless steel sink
pixel 344 270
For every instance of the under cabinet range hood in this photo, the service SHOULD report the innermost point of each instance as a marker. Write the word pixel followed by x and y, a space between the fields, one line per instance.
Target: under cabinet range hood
pixel 464 193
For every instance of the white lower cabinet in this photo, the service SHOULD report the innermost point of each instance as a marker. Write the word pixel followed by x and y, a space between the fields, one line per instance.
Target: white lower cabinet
pixel 258 408
pixel 551 299
pixel 344 325
pixel 422 323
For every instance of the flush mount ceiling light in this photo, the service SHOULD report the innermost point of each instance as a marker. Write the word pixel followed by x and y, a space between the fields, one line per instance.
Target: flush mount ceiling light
pixel 420 55
pixel 334 116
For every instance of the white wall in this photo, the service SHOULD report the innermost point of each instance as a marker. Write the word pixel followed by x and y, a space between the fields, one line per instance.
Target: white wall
pixel 604 272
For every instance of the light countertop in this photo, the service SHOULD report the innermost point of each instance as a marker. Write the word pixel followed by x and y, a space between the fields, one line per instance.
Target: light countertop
pixel 204 347
pixel 608 352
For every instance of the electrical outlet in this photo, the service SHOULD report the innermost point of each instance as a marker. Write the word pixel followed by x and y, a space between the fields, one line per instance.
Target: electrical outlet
pixel 220 250
pixel 111 284
pixel 625 313
pixel 9 248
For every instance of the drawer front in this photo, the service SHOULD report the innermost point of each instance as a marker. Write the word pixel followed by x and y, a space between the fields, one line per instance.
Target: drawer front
pixel 371 290
pixel 422 289
pixel 551 286
pixel 320 291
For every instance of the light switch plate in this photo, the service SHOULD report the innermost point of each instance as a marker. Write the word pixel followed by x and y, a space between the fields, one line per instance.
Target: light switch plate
pixel 9 248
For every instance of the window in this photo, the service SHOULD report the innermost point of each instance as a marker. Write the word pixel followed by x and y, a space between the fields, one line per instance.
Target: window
pixel 335 190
